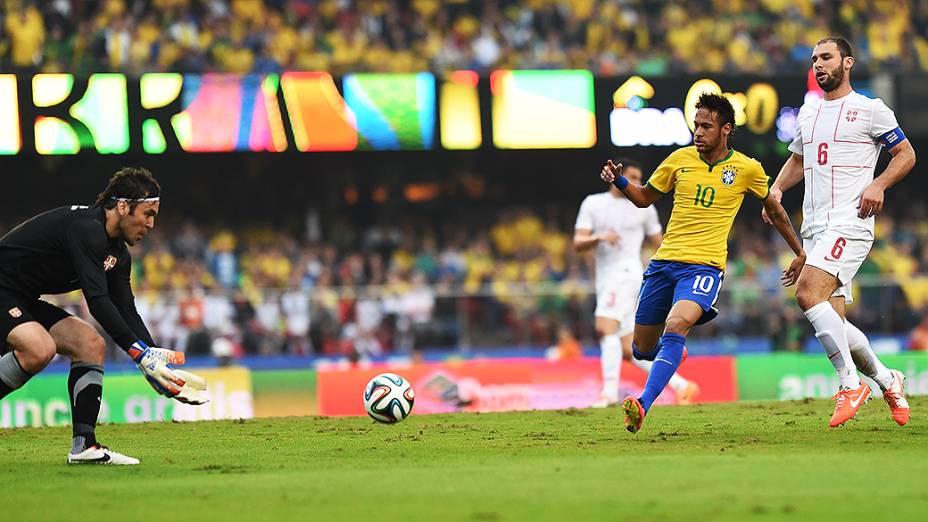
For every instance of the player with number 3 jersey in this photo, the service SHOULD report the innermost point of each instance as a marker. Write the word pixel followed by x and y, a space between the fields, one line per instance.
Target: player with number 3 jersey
pixel 682 282
pixel 835 150
pixel 612 225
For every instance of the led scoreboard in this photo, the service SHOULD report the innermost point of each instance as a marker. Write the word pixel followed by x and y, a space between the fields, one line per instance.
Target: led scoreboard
pixel 310 112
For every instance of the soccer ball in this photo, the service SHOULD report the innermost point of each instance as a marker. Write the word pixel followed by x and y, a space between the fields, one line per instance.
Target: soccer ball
pixel 388 398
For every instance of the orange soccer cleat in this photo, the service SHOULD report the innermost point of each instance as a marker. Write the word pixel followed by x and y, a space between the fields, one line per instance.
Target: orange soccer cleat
pixel 895 397
pixel 847 402
pixel 634 414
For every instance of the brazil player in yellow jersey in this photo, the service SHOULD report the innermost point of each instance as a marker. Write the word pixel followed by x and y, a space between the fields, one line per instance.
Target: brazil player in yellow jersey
pixel 682 282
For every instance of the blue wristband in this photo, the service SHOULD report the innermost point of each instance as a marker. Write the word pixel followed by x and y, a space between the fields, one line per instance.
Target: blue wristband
pixel 137 350
pixel 620 182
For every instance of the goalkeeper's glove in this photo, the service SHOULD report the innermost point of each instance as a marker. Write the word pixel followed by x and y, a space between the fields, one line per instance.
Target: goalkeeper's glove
pixel 176 384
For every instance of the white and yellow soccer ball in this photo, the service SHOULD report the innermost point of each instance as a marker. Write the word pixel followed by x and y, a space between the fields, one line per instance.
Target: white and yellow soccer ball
pixel 388 398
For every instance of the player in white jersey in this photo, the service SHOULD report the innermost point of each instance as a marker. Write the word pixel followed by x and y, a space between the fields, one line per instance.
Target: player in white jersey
pixel 616 228
pixel 838 140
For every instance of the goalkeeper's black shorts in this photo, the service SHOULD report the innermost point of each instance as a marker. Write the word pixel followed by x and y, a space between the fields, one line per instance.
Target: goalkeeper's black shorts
pixel 16 309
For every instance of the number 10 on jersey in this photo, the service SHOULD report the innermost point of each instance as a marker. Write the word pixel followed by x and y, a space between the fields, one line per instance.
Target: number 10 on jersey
pixel 704 196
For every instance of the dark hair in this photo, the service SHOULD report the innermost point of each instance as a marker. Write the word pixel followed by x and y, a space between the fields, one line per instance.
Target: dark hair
pixel 720 105
pixel 628 162
pixel 844 47
pixel 129 183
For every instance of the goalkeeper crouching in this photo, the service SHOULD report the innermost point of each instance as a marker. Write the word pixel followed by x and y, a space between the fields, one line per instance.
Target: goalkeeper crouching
pixel 80 247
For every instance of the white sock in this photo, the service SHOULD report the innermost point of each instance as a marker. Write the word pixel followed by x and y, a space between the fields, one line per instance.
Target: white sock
pixel 864 357
pixel 611 357
pixel 677 383
pixel 641 363
pixel 832 333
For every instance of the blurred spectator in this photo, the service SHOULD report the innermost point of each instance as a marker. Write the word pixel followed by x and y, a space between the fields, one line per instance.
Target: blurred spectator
pixel 919 336
pixel 294 304
pixel 567 348
pixel 269 321
pixel 26 31
pixel 191 310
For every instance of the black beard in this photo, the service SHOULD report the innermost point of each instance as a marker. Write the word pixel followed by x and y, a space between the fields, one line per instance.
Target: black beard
pixel 831 82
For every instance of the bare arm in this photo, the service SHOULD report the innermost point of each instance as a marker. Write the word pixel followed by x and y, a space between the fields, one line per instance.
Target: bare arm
pixel 641 196
pixel 871 201
pixel 585 239
pixel 780 220
pixel 789 176
pixel 655 239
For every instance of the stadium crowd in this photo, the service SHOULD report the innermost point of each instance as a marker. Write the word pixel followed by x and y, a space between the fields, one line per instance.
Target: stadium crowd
pixel 606 36
pixel 513 280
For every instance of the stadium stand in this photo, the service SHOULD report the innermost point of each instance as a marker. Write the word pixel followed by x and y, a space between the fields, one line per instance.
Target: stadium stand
pixel 608 37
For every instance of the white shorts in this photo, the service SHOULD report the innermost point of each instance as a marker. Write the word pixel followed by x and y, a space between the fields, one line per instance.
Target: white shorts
pixel 617 299
pixel 840 256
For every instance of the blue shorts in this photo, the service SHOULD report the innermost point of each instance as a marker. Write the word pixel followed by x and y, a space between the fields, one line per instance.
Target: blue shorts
pixel 666 282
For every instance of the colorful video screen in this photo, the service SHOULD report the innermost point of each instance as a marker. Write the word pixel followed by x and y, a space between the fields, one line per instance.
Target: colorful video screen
pixel 102 110
pixel 225 112
pixel 392 111
pixel 10 137
pixel 543 109
pixel 459 111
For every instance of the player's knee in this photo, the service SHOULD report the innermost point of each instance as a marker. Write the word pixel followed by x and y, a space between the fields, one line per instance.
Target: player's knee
pixel 641 345
pixel 810 292
pixel 92 349
pixel 644 355
pixel 605 327
pixel 804 301
pixel 45 352
pixel 79 341
pixel 806 297
pixel 33 350
pixel 627 352
pixel 678 325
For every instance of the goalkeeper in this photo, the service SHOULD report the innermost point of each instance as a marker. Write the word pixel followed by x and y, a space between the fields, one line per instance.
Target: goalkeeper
pixel 79 247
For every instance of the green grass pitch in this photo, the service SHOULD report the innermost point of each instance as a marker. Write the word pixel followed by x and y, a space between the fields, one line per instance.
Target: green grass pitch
pixel 742 461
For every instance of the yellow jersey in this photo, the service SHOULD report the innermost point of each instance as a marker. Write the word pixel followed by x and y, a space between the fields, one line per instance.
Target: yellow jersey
pixel 707 197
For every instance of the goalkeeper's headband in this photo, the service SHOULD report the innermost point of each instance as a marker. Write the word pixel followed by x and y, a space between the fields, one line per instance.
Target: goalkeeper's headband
pixel 137 200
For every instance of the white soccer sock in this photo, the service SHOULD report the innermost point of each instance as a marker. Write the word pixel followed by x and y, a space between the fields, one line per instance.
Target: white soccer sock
pixel 677 383
pixel 832 333
pixel 611 357
pixel 864 357
pixel 643 364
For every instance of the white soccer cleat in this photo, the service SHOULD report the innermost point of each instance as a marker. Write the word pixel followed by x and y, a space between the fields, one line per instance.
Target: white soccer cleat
pixel 605 402
pixel 688 394
pixel 98 454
